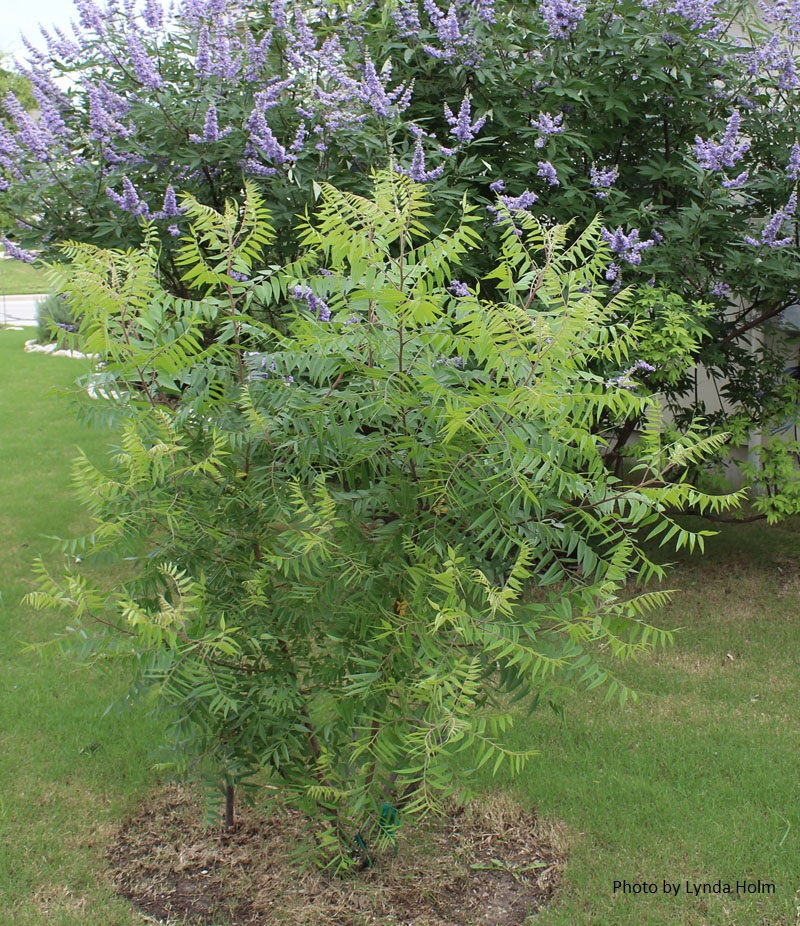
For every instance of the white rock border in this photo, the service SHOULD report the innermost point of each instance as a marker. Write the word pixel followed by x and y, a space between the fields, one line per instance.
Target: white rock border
pixel 34 347
pixel 94 388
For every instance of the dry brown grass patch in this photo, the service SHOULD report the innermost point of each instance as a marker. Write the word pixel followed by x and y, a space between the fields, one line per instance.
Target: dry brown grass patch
pixel 492 864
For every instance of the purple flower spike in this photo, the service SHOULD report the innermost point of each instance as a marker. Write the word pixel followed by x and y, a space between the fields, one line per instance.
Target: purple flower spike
pixel 90 16
pixel 406 18
pixel 625 247
pixel 143 66
pixel 549 173
pixel 625 381
pixel 785 14
pixel 793 167
pixel 17 253
pixel 643 366
pixel 459 289
pixel 261 140
pixel 202 61
pixel 519 203
pixel 153 14
pixel 129 201
pixel 211 132
pixel 770 232
pixel 211 127
pixel 418 170
pixel 278 11
pixel 731 149
pixel 547 125
pixel 315 305
pixel 373 92
pixel 562 16
pixel 602 180
pixel 448 28
pixel 699 13
pixel 170 208
pixel 737 182
pixel 461 126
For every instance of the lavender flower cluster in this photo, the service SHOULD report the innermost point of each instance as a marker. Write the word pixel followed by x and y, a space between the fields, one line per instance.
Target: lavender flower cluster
pixel 15 252
pixel 562 16
pixel 793 165
pixel 456 362
pixel 510 204
pixel 774 56
pixel 170 209
pixel 628 247
pixel 784 14
pixel 461 126
pixel 459 289
pixel 406 18
pixel 730 149
pixel 261 142
pixel 211 131
pixel 519 203
pixel 625 379
pixel 547 125
pixel 128 200
pixel 419 170
pixel 42 136
pixel 144 66
pixel 107 110
pixel 549 173
pixel 455 30
pixel 602 179
pixel 318 307
pixel 699 14
pixel 770 232
pixel 372 91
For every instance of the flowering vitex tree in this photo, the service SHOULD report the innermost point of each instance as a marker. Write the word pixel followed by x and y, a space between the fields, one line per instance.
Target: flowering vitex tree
pixel 350 541
pixel 675 121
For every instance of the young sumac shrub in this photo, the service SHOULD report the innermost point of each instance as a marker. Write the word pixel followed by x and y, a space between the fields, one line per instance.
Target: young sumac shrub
pixel 354 539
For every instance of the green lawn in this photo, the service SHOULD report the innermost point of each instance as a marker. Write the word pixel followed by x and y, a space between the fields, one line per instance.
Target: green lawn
pixel 59 800
pixel 697 782
pixel 18 278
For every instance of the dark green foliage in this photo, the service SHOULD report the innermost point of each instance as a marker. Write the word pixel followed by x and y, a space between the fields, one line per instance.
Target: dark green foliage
pixel 675 123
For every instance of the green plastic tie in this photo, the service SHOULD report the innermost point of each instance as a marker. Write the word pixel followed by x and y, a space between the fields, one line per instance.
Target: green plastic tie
pixel 368 863
pixel 390 823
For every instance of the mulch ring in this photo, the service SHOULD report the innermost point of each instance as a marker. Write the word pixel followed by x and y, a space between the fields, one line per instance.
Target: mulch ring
pixel 489 864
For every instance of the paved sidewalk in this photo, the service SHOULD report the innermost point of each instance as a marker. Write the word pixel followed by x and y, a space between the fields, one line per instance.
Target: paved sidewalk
pixel 18 310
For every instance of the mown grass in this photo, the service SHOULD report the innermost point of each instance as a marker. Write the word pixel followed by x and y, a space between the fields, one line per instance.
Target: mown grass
pixel 21 279
pixel 696 782
pixel 67 772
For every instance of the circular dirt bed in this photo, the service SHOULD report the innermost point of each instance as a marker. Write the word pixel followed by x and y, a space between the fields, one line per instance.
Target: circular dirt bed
pixel 489 864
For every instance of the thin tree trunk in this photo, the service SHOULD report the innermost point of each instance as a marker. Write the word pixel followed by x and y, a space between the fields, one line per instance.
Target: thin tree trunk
pixel 229 794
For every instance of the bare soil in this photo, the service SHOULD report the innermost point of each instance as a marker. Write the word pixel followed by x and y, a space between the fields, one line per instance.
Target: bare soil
pixel 489 864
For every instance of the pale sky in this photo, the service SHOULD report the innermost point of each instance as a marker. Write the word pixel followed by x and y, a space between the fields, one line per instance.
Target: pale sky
pixel 18 17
